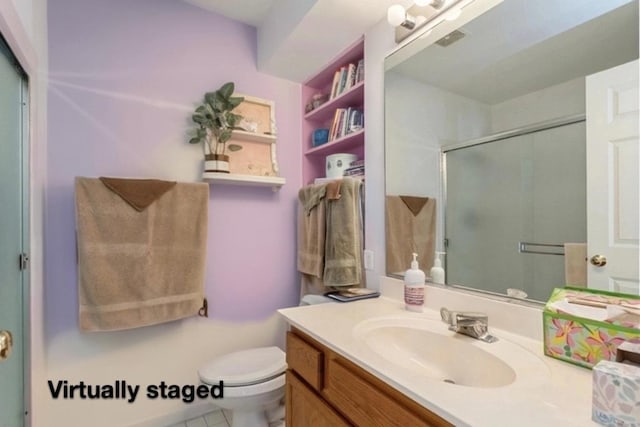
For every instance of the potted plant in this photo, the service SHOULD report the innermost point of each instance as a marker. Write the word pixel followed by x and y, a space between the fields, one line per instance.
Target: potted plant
pixel 216 121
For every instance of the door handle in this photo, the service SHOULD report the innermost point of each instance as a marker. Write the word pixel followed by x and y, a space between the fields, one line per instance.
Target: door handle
pixel 6 345
pixel 598 260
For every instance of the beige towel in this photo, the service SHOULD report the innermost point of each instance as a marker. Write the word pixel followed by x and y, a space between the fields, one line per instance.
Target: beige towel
pixel 410 227
pixel 343 242
pixel 311 229
pixel 575 264
pixel 139 268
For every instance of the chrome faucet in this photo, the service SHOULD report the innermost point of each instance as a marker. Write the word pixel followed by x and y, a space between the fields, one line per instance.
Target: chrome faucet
pixel 475 325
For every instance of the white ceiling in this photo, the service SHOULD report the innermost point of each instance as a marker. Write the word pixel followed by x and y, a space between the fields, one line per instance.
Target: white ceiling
pixel 251 12
pixel 522 46
pixel 297 50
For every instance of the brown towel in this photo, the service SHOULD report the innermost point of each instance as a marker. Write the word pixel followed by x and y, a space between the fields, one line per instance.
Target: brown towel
pixel 575 264
pixel 139 193
pixel 343 244
pixel 407 232
pixel 139 268
pixel 311 229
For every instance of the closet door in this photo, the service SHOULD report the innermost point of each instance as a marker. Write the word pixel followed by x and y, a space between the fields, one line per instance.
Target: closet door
pixel 613 182
pixel 12 237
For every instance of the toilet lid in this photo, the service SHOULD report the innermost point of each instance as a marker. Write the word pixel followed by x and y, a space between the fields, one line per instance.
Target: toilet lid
pixel 245 367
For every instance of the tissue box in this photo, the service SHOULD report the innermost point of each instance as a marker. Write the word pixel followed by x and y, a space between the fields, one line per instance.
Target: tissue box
pixel 583 341
pixel 616 394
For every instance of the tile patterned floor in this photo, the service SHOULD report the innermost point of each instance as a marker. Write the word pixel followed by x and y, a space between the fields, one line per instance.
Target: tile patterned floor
pixel 217 418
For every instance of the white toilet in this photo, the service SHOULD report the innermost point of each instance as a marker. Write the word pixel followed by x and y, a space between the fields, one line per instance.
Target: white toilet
pixel 254 381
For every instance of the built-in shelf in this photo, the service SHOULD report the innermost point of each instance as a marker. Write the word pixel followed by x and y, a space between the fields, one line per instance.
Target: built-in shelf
pixel 345 143
pixel 228 178
pixel 314 158
pixel 254 137
pixel 346 99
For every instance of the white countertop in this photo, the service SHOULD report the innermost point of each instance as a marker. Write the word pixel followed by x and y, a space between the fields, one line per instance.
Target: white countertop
pixel 546 392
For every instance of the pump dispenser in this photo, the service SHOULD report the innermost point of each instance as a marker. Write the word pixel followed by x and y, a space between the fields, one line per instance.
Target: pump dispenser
pixel 437 272
pixel 414 286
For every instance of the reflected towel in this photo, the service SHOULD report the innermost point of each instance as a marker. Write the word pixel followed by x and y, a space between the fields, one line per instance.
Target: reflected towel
pixel 575 264
pixel 138 268
pixel 410 227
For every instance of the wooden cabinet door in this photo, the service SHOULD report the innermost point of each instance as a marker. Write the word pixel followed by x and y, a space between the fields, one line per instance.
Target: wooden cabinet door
pixel 305 408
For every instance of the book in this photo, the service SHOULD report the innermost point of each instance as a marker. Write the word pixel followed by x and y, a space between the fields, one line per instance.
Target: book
pixel 334 84
pixel 343 80
pixel 360 71
pixel 351 76
pixel 352 294
pixel 356 121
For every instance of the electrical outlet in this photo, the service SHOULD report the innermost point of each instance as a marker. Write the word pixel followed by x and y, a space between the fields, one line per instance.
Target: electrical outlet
pixel 368 259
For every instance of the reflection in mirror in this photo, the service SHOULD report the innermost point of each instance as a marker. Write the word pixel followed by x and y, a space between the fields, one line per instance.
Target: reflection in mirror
pixel 488 126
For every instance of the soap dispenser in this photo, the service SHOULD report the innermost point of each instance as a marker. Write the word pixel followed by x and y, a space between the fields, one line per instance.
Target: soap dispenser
pixel 414 286
pixel 437 272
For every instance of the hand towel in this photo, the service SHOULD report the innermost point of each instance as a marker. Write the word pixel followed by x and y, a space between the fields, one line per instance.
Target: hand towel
pixel 311 229
pixel 343 242
pixel 575 264
pixel 139 193
pixel 138 268
pixel 410 227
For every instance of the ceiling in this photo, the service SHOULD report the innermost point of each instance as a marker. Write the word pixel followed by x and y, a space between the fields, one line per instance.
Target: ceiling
pixel 251 12
pixel 519 47
pixel 297 37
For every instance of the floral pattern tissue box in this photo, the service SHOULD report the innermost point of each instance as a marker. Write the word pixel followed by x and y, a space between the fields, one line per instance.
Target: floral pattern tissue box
pixel 585 326
pixel 616 394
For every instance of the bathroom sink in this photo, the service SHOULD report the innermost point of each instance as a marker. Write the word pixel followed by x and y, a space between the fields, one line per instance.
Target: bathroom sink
pixel 425 348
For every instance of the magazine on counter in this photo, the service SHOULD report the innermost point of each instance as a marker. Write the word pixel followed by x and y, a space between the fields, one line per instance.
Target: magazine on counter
pixel 352 294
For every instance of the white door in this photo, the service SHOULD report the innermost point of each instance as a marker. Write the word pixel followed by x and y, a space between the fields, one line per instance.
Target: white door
pixel 613 181
pixel 12 239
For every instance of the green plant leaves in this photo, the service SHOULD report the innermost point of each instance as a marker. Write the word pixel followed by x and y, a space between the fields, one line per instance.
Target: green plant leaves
pixel 215 116
pixel 226 90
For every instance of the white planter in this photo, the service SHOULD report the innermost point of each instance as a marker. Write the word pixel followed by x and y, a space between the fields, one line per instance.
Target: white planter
pixel 216 163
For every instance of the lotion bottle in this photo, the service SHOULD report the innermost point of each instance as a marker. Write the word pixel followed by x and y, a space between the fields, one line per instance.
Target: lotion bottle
pixel 414 286
pixel 437 272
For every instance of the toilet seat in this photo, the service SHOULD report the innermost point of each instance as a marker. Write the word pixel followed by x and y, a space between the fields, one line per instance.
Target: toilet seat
pixel 254 389
pixel 247 369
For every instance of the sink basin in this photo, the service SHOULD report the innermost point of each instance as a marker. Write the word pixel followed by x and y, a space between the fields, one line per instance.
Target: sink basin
pixel 426 348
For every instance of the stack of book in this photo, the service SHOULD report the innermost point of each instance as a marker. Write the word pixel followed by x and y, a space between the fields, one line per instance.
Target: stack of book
pixel 346 77
pixel 355 169
pixel 346 121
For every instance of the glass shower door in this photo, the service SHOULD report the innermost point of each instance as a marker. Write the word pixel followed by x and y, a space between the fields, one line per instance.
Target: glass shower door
pixel 529 188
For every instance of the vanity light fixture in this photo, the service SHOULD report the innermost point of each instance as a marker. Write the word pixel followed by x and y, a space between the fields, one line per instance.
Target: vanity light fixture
pixel 425 14
pixel 398 17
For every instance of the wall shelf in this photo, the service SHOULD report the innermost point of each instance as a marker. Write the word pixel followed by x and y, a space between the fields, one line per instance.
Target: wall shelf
pixel 228 178
pixel 254 137
pixel 346 99
pixel 346 143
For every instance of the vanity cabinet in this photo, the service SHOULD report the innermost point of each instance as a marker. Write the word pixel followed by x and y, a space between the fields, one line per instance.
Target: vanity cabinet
pixel 325 389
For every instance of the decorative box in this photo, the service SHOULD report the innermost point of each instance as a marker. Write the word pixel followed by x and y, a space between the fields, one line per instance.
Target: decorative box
pixel 319 137
pixel 585 341
pixel 616 394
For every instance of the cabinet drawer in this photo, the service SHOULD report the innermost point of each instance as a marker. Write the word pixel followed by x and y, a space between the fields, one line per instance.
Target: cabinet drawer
pixel 366 404
pixel 306 360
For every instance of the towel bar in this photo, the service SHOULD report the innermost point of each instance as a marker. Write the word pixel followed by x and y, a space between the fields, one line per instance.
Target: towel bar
pixel 523 248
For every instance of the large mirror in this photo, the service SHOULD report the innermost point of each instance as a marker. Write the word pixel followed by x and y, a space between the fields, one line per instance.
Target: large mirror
pixel 485 147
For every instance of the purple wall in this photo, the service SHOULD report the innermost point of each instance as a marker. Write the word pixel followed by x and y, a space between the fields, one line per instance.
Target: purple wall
pixel 124 79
